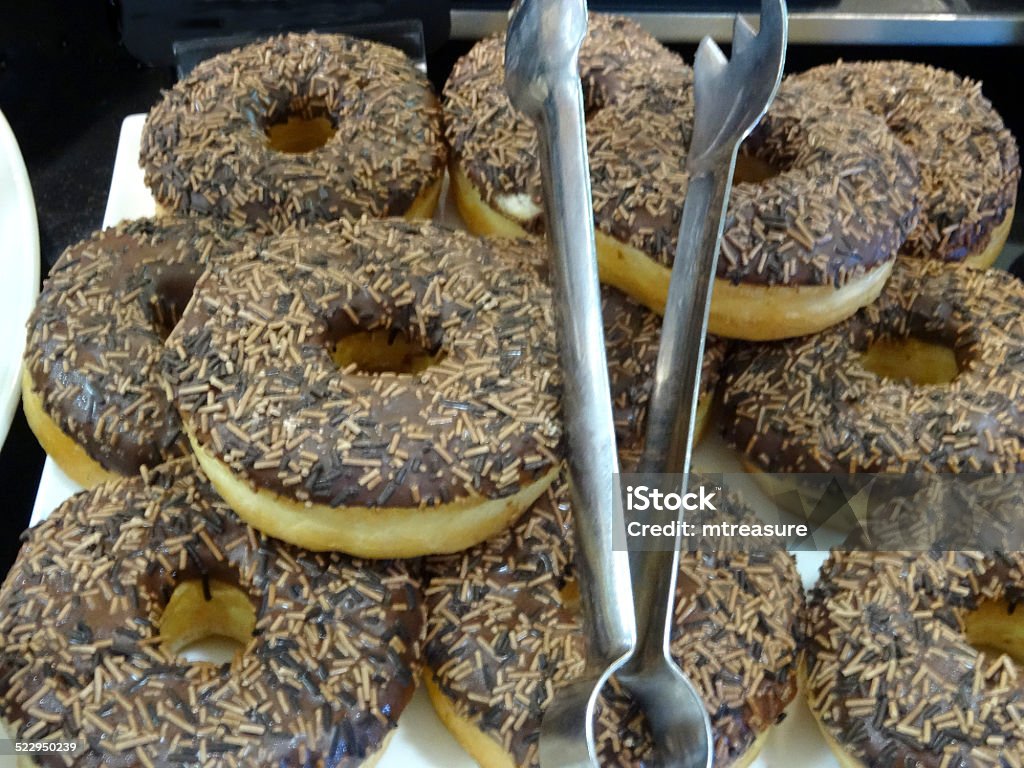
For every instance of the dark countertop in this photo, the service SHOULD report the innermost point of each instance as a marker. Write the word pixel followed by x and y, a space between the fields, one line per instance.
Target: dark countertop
pixel 66 84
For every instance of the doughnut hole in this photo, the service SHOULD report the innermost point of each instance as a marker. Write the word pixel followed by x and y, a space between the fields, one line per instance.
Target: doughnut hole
pixel 173 291
pixel 595 93
pixel 382 350
pixel 569 595
pixel 299 128
pixel 911 359
pixel 209 623
pixel 751 169
pixel 994 629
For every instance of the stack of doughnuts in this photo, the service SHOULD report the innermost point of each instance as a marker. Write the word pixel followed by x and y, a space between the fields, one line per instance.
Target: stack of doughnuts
pixel 284 384
pixel 111 591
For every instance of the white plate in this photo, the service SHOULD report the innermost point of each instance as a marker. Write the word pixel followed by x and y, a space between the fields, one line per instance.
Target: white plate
pixel 19 264
pixel 421 739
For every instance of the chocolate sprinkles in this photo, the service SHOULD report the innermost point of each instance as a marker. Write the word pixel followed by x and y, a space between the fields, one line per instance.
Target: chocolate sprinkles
pixel 205 148
pixel 842 202
pixel 968 160
pixel 131 702
pixel 258 388
pixel 503 637
pixel 889 671
pixel 809 405
pixel 632 334
pixel 95 339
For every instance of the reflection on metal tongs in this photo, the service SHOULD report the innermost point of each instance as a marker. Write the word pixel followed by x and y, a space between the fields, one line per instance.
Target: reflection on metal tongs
pixel 731 96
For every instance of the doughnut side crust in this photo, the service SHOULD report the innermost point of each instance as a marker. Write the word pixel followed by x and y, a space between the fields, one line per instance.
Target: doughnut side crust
pixel 738 311
pixel 329 668
pixel 69 455
pixel 367 531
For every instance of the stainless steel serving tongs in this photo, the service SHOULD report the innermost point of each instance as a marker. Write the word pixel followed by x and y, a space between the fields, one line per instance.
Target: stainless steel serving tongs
pixel 541 53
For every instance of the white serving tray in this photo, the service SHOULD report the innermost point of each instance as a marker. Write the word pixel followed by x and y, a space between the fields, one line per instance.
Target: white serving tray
pixel 19 264
pixel 421 739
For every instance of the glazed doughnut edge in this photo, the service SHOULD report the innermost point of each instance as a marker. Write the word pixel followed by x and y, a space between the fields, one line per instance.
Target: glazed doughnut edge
pixel 69 455
pixel 747 312
pixel 364 531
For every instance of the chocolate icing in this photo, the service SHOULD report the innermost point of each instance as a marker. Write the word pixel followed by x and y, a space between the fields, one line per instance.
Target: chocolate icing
pixel 808 405
pixel 501 638
pixel 329 669
pixel 95 337
pixel 205 150
pixel 255 384
pixel 889 670
pixel 631 335
pixel 968 160
pixel 843 201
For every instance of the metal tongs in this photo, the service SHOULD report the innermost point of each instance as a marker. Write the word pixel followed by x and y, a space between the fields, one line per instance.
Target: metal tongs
pixel 542 80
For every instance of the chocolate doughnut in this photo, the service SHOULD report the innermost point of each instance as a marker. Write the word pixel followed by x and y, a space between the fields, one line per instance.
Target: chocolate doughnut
pixel 313 440
pixel 107 590
pixel 817 404
pixel 503 634
pixel 808 246
pixel 92 385
pixel 298 128
pixel 632 335
pixel 968 159
pixel 803 249
pixel 911 659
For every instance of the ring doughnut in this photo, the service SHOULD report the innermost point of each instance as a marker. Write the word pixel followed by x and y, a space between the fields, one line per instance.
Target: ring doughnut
pixel 813 242
pixel 109 588
pixel 926 378
pixel 802 250
pixel 92 385
pixel 902 661
pixel 387 389
pixel 968 160
pixel 298 128
pixel 504 634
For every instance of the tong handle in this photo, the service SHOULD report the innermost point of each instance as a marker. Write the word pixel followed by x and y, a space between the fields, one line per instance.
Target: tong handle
pixel 672 409
pixel 603 573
